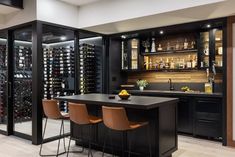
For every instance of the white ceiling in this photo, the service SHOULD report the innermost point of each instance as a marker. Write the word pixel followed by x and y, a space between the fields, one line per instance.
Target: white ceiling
pixel 80 2
pixel 198 13
pixel 7 10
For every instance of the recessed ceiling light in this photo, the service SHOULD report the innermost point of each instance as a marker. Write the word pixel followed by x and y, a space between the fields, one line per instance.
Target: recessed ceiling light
pixel 161 32
pixel 123 37
pixel 208 26
pixel 63 38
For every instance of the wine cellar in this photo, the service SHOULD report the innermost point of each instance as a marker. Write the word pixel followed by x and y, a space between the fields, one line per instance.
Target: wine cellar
pixel 44 69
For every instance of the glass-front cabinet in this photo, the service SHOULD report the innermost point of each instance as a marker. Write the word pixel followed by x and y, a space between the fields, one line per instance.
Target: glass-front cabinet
pixel 204 49
pixel 218 48
pixel 130 54
pixel 173 52
pixel 3 81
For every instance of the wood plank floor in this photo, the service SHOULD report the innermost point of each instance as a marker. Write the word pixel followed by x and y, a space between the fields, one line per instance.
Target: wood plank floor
pixel 188 147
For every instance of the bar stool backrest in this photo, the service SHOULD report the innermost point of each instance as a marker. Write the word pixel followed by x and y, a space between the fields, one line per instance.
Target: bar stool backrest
pixel 51 109
pixel 78 113
pixel 115 118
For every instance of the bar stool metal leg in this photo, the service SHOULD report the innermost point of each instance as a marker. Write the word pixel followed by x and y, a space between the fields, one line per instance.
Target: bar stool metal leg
pixel 123 152
pixel 90 139
pixel 149 141
pixel 61 128
pixel 129 145
pixel 43 136
pixel 105 138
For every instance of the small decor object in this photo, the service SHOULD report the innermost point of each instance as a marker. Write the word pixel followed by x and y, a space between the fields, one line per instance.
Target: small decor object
pixel 159 47
pixel 146 45
pixel 142 84
pixel 206 51
pixel 185 88
pixel 220 50
pixel 153 46
pixel 124 95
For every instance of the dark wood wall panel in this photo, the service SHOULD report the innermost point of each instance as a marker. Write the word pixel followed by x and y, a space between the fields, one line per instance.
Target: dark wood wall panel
pixel 177 77
pixel 231 21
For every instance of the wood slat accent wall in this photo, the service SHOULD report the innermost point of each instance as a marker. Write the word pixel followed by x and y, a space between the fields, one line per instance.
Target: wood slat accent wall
pixel 177 77
pixel 230 141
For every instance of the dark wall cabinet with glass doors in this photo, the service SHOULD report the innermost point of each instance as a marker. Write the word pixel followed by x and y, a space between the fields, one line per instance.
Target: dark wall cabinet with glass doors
pixel 211 48
pixel 196 50
pixel 130 55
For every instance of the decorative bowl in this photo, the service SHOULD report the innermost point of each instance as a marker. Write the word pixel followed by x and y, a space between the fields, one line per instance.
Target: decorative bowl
pixel 124 97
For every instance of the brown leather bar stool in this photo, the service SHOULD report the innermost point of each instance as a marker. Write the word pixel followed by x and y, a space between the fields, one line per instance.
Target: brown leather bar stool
pixel 115 118
pixel 52 111
pixel 79 115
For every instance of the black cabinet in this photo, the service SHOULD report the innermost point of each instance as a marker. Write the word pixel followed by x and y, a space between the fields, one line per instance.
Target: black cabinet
pixel 197 115
pixel 185 115
pixel 208 117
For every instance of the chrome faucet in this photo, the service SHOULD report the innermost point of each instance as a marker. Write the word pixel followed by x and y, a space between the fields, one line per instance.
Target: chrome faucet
pixel 171 84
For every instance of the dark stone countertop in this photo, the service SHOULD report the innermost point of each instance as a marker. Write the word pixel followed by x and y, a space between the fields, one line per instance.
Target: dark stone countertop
pixel 136 102
pixel 173 93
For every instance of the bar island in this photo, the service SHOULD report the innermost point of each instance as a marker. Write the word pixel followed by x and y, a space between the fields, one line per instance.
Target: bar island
pixel 160 112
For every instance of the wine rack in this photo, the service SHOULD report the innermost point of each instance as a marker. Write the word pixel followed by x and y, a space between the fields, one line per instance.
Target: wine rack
pixel 89 68
pixel 59 73
pixel 3 61
pixel 23 84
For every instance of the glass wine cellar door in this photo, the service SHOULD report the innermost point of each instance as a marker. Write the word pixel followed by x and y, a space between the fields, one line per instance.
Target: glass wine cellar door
pixel 3 81
pixel 22 81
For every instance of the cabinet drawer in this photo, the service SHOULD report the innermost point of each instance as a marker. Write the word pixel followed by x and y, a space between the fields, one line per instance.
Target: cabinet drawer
pixel 208 128
pixel 208 105
pixel 208 116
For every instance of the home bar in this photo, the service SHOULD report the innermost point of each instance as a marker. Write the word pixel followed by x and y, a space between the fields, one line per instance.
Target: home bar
pixel 117 88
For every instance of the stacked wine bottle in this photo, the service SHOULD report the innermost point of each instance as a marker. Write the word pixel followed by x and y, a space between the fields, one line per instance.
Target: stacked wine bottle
pixel 58 73
pixel 87 68
pixel 23 84
pixel 3 106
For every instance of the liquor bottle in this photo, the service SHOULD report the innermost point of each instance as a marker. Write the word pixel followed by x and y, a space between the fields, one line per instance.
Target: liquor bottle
pixel 189 62
pixel 177 46
pixel 172 64
pixel 167 65
pixel 168 48
pixel 193 45
pixel 153 46
pixel 150 64
pixel 162 64
pixel 185 44
pixel 194 62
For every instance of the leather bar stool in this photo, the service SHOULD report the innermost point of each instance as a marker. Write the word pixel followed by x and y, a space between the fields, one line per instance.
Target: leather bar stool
pixel 79 115
pixel 115 118
pixel 52 111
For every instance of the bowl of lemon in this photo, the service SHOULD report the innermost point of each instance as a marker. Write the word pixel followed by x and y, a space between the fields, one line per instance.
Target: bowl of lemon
pixel 124 95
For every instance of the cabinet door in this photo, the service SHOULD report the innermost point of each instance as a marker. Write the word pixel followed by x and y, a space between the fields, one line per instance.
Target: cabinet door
pixel 218 48
pixel 185 116
pixel 124 55
pixel 208 117
pixel 134 53
pixel 204 50
pixel 130 54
